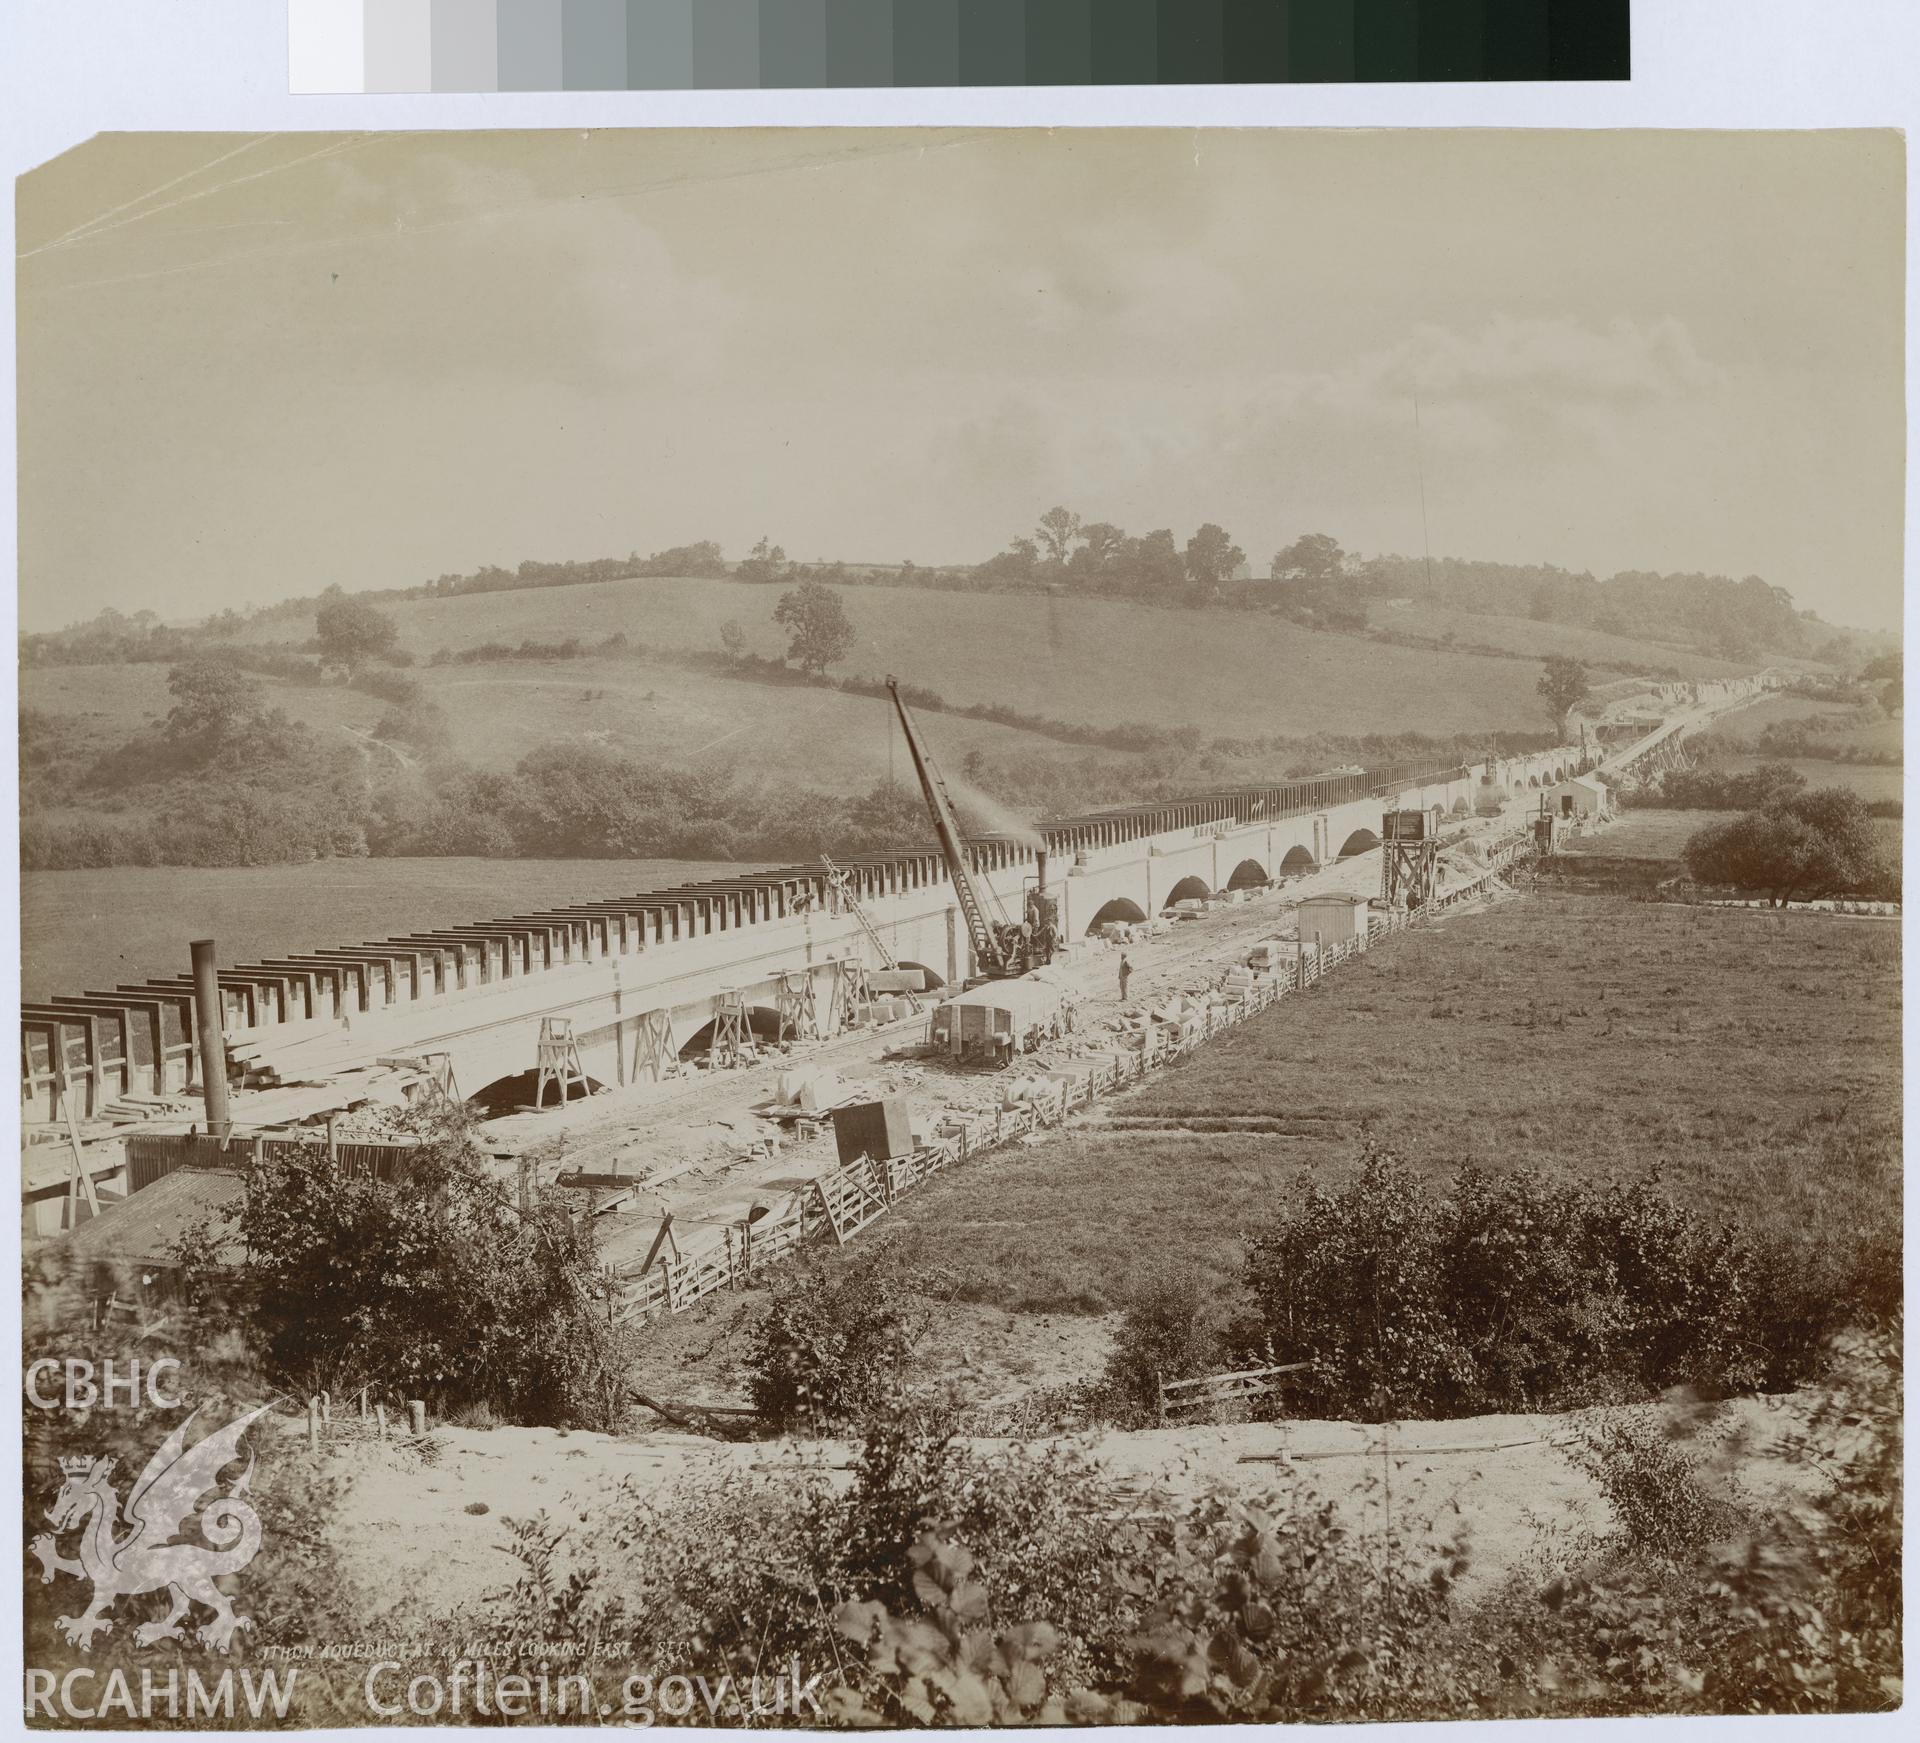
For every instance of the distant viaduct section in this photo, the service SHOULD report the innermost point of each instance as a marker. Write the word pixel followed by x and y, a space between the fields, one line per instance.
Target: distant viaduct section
pixel 625 972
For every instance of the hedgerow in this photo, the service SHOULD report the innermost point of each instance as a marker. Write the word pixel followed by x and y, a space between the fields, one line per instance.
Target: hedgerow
pixel 1520 1293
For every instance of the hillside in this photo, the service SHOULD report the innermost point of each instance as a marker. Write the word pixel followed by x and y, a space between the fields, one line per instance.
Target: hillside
pixel 1099 662
pixel 497 711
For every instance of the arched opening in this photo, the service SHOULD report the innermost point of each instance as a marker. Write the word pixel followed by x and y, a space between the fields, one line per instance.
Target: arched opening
pixel 1119 911
pixel 762 1020
pixel 934 981
pixel 1298 860
pixel 512 1095
pixel 1460 806
pixel 1360 841
pixel 1532 781
pixel 1187 890
pixel 1249 874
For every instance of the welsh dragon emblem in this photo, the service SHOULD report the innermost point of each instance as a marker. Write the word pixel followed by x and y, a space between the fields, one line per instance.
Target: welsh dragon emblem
pixel 158 1508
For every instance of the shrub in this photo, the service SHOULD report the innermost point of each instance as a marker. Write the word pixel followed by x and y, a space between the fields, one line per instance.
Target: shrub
pixel 947 1586
pixel 1512 1294
pixel 432 1285
pixel 1648 1466
pixel 1171 1330
pixel 389 686
pixel 832 1347
pixel 294 1592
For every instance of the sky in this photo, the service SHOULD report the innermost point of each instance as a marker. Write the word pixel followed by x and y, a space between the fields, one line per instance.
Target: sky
pixel 252 366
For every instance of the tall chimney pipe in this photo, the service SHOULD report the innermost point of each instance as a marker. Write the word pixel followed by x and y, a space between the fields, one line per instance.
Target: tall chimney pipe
pixel 1040 870
pixel 213 1046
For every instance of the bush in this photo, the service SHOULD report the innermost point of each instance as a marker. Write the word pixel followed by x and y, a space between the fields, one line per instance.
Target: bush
pixel 1648 1467
pixel 832 1347
pixel 1171 1330
pixel 951 1586
pixel 389 687
pixel 1512 1294
pixel 292 1593
pixel 432 1286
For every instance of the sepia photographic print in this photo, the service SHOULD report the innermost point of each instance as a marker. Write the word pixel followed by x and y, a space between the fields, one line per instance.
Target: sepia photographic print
pixel 951 927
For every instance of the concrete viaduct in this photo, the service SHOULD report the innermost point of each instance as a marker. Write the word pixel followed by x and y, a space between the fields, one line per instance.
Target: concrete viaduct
pixel 623 970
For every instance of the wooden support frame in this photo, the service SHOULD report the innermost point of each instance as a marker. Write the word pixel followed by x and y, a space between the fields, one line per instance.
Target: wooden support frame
pixel 559 1062
pixel 732 1040
pixel 799 1015
pixel 655 1048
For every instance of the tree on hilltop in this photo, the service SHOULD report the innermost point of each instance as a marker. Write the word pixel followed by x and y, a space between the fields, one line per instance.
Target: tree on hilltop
pixel 1212 557
pixel 1057 531
pixel 764 562
pixel 818 628
pixel 1314 561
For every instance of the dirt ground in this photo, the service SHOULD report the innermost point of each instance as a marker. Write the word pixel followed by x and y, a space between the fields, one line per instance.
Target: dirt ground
pixel 1504 1478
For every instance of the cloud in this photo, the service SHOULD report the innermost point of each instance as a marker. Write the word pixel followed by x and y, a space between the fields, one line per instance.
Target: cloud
pixel 1510 377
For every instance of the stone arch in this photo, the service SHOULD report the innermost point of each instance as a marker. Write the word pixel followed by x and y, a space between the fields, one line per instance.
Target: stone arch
pixel 1533 780
pixel 1188 889
pixel 1360 841
pixel 763 1020
pixel 1249 874
pixel 1120 909
pixel 1298 859
pixel 508 1095
pixel 1460 806
pixel 934 981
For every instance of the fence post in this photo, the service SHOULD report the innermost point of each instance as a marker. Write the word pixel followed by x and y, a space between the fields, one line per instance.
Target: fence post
pixel 313 1426
pixel 1160 1396
pixel 326 1408
pixel 380 1421
pixel 417 1417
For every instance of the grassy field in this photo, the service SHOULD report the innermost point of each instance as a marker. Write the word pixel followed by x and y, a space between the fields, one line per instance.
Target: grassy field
pixel 81 929
pixel 1869 780
pixel 1644 834
pixel 1523 635
pixel 1095 661
pixel 500 710
pixel 1755 1059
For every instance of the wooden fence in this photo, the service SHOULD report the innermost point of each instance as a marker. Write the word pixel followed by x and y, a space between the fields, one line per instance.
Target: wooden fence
pixel 841 1203
pixel 1181 1398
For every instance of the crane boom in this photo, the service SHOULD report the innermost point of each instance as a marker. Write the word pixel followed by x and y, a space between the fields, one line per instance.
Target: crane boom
pixel 987 950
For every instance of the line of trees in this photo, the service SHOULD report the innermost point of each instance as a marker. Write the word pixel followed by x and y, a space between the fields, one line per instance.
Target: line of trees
pixel 1313 580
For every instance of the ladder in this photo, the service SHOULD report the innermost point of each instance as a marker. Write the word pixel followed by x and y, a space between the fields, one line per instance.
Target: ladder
pixel 843 888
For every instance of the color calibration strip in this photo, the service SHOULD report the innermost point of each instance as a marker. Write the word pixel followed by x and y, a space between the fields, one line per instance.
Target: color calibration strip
pixel 338 46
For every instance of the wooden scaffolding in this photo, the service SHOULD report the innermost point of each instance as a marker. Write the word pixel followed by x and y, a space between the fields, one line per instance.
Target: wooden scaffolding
pixel 656 1051
pixel 732 1042
pixel 559 1062
pixel 1409 858
pixel 798 1014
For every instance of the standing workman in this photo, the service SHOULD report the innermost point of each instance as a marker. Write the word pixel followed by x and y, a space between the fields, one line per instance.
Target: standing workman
pixel 1126 974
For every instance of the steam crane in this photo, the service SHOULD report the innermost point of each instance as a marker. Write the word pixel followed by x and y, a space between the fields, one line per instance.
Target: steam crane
pixel 1002 947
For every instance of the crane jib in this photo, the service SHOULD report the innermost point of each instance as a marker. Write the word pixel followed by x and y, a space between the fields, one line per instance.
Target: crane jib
pixel 987 949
